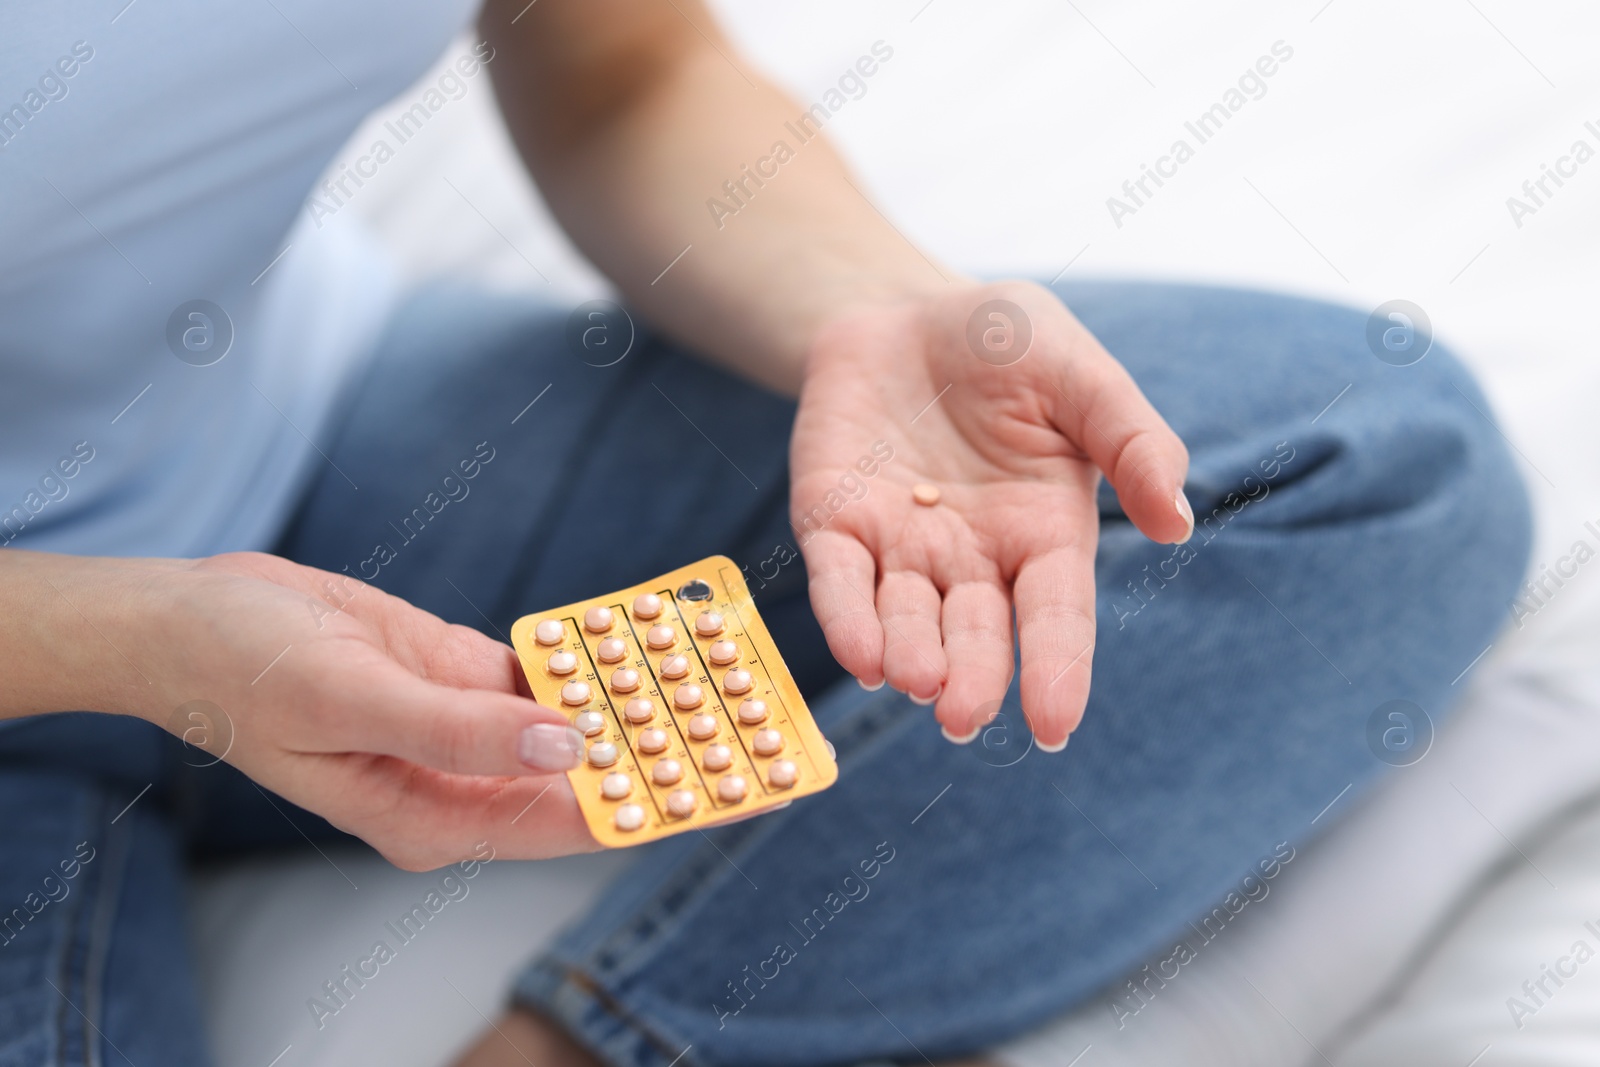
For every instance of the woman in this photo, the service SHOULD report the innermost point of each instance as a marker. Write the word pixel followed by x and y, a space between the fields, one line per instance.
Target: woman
pixel 258 493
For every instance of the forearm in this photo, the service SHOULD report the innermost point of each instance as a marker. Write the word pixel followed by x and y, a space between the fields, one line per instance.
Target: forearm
pixel 629 173
pixel 64 633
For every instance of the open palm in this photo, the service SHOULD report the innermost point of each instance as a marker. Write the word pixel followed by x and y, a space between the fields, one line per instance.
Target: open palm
pixel 1013 420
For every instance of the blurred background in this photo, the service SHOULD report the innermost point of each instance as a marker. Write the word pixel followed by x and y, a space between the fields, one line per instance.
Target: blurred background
pixel 1375 164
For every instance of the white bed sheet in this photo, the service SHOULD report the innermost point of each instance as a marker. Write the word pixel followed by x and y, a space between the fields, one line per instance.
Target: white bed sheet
pixel 1376 166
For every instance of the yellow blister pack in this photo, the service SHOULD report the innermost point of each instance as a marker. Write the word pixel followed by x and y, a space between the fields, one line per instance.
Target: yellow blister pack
pixel 689 715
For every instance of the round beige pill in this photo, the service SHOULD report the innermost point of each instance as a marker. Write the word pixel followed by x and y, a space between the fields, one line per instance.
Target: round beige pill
pixel 767 742
pixel 589 723
pixel 682 802
pixel 615 786
pixel 752 712
pixel 652 741
pixel 562 663
pixel 717 758
pixel 925 494
pixel 674 667
pixel 732 789
pixel 640 710
pixel 646 606
pixel 575 693
pixel 549 632
pixel 703 727
pixel 783 773
pixel 629 817
pixel 612 650
pixel 737 681
pixel 708 624
pixel 661 637
pixel 602 754
pixel 666 772
pixel 723 653
pixel 597 620
pixel 624 680
pixel 688 697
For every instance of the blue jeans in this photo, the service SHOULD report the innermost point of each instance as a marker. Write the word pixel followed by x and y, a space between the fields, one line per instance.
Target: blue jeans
pixel 1361 532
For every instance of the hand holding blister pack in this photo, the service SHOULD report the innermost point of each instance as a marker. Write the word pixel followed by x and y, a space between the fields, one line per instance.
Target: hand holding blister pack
pixel 689 716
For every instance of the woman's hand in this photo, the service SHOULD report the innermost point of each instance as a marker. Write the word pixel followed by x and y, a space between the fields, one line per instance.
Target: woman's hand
pixel 410 733
pixel 1012 410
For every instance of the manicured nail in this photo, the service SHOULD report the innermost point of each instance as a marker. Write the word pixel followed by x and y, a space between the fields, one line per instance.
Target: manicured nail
pixel 1186 513
pixel 870 688
pixel 549 746
pixel 954 740
pixel 925 701
pixel 1052 748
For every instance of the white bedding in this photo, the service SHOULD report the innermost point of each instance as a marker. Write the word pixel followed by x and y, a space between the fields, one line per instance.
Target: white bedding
pixel 1377 165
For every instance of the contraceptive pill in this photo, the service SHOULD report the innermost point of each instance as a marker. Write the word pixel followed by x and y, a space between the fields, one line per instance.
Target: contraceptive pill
pixel 690 715
pixel 925 494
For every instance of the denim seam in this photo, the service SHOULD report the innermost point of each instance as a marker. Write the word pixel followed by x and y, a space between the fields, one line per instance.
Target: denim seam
pixel 102 928
pixel 873 720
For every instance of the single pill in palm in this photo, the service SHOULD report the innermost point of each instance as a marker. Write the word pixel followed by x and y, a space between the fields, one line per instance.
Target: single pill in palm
pixel 925 494
pixel 549 632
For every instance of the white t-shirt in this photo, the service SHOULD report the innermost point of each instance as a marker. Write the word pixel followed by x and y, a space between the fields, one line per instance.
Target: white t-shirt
pixel 174 324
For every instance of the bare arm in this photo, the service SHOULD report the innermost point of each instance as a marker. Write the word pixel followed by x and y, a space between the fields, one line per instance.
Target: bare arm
pixel 631 114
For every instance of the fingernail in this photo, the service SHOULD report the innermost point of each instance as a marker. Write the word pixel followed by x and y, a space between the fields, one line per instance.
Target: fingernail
pixel 549 746
pixel 1052 748
pixel 925 701
pixel 1185 512
pixel 870 688
pixel 954 740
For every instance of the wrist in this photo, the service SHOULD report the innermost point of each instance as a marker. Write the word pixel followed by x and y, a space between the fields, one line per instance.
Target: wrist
pixel 72 629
